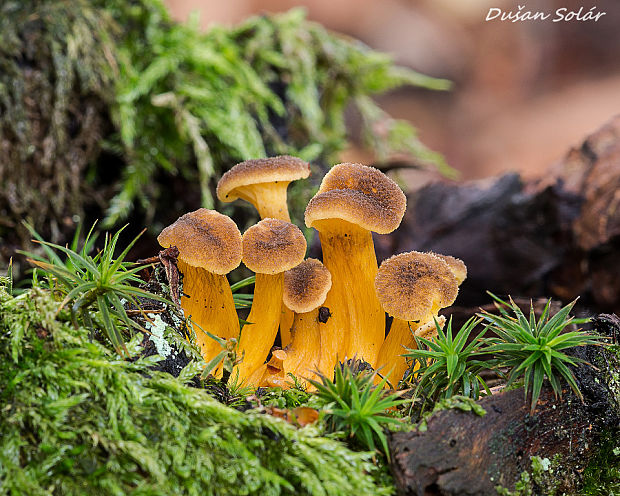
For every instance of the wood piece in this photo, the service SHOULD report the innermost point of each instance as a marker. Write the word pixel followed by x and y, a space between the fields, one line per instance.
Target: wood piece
pixel 462 453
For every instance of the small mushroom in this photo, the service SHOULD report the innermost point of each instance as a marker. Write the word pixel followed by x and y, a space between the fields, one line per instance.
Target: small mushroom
pixel 305 290
pixel 353 201
pixel 412 287
pixel 272 373
pixel 263 182
pixel 270 248
pixel 209 245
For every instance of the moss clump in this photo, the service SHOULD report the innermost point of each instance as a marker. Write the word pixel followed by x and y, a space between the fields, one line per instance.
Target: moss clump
pixel 56 82
pixel 457 402
pixel 602 476
pixel 541 480
pixel 126 99
pixel 76 419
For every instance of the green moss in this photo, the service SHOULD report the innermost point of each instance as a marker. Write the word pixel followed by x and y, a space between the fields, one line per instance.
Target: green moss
pixel 602 476
pixel 76 419
pixel 56 81
pixel 283 398
pixel 463 403
pixel 168 99
pixel 541 479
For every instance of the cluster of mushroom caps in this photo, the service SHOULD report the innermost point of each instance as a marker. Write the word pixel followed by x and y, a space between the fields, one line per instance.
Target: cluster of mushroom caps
pixel 325 312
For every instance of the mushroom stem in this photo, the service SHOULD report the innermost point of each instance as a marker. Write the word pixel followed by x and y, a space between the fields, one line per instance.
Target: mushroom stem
pixel 208 301
pixel 286 322
pixel 268 198
pixel 272 373
pixel 303 354
pixel 357 323
pixel 270 201
pixel 391 363
pixel 258 336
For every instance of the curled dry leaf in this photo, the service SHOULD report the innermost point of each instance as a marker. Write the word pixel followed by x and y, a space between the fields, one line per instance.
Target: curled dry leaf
pixel 300 416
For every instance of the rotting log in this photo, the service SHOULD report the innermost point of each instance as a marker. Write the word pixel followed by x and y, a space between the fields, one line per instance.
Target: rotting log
pixel 461 453
pixel 558 235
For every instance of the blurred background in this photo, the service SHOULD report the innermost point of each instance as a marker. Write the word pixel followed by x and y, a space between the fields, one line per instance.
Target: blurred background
pixel 137 118
pixel 523 94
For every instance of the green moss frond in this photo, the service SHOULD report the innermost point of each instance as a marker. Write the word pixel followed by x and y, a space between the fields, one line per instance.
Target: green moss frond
pixel 76 419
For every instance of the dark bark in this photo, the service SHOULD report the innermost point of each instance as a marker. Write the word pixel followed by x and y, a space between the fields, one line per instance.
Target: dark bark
pixel 558 236
pixel 462 453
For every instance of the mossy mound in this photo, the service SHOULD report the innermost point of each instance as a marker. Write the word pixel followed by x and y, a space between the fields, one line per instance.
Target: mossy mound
pixel 108 105
pixel 76 419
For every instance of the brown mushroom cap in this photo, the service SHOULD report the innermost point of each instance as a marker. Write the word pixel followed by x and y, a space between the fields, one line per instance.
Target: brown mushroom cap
pixel 205 238
pixel 368 180
pixel 261 170
pixel 412 285
pixel 358 194
pixel 273 246
pixel 381 214
pixel 457 266
pixel 306 286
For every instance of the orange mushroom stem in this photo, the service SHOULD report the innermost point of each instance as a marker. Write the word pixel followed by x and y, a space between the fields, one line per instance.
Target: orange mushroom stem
pixel 258 335
pixel 357 321
pixel 208 301
pixel 269 248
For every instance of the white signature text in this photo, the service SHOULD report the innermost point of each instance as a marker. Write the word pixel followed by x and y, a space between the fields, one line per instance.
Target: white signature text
pixel 560 15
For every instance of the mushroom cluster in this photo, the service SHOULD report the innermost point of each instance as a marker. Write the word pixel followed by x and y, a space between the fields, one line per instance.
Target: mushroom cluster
pixel 325 311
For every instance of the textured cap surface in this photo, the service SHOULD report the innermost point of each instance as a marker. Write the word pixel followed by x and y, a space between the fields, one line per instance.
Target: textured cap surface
pixel 360 177
pixel 457 266
pixel 367 211
pixel 306 286
pixel 205 238
pixel 411 285
pixel 273 246
pixel 261 170
pixel 361 195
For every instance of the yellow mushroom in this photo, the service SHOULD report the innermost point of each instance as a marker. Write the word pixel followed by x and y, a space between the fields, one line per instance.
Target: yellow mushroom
pixel 263 183
pixel 272 374
pixel 305 290
pixel 209 246
pixel 353 201
pixel 269 248
pixel 412 287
